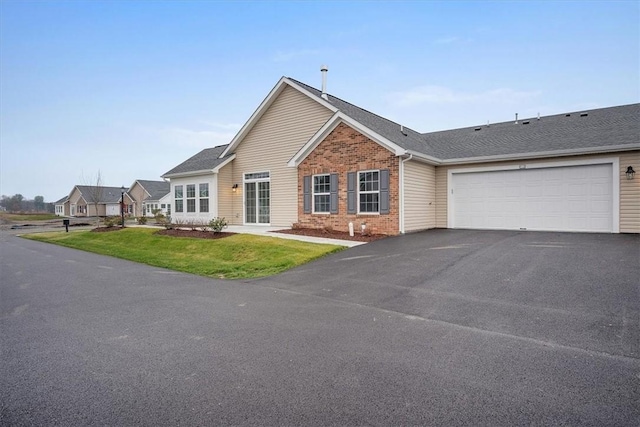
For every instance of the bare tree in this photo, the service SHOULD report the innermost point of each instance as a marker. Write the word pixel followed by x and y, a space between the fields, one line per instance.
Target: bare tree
pixel 95 189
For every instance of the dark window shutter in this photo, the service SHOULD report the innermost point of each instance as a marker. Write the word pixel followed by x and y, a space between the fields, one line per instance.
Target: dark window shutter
pixel 351 192
pixel 384 191
pixel 333 197
pixel 306 194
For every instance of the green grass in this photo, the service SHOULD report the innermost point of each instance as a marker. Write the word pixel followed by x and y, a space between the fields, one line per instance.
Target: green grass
pixel 235 257
pixel 29 217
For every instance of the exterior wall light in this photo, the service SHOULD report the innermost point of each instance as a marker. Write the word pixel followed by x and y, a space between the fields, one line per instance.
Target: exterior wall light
pixel 234 188
pixel 630 172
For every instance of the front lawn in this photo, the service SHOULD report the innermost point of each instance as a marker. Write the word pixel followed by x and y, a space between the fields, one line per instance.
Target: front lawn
pixel 28 216
pixel 236 257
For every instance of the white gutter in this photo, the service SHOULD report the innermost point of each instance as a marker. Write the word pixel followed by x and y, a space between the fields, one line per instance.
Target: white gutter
pixel 401 184
pixel 541 154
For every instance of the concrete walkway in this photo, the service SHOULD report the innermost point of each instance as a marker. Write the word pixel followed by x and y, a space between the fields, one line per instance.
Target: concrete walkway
pixel 269 232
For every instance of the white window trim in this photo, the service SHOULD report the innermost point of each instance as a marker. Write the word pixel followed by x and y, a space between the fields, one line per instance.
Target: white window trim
pixel 314 194
pixel 200 198
pixel 358 192
pixel 244 200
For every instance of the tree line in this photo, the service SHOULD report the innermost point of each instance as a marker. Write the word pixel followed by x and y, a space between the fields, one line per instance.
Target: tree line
pixel 17 203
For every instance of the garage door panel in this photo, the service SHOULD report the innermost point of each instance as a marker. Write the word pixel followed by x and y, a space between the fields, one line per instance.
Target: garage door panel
pixel 576 198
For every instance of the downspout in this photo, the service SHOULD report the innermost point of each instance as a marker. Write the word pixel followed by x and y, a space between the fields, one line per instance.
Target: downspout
pixel 402 192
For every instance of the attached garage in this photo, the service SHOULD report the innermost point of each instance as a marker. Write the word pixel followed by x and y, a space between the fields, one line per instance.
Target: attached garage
pixel 543 197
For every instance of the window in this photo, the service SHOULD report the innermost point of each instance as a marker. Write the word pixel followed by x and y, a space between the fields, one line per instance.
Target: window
pixel 204 197
pixel 191 198
pixel 163 206
pixel 178 195
pixel 321 193
pixel 369 192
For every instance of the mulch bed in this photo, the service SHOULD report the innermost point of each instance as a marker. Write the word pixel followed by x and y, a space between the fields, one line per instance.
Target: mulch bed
pixel 197 234
pixel 342 235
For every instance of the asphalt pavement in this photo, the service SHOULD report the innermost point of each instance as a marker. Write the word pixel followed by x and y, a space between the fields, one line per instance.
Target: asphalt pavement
pixel 437 328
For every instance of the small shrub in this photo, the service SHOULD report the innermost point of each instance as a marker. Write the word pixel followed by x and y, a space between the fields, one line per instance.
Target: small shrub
pixel 159 217
pixel 217 224
pixel 142 220
pixel 111 221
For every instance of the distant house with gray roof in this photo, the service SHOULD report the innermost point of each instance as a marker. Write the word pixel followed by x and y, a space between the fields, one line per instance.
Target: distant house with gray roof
pixel 309 158
pixel 91 201
pixel 148 196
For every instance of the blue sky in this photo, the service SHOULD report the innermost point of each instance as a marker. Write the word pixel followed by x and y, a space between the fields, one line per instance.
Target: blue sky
pixel 134 88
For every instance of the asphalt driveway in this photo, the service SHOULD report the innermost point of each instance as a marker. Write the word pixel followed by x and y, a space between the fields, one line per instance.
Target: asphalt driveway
pixel 572 289
pixel 436 328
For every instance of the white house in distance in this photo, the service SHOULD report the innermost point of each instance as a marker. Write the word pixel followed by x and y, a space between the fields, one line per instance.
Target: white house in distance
pixel 149 196
pixel 309 158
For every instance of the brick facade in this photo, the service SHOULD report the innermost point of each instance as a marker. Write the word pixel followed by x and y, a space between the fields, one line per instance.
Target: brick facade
pixel 347 150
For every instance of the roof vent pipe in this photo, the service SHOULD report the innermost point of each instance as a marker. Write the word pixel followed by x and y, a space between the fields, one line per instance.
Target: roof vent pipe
pixel 402 130
pixel 516 118
pixel 323 70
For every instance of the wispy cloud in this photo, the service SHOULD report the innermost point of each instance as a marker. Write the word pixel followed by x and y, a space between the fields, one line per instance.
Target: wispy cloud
pixel 446 40
pixel 288 55
pixel 217 134
pixel 439 95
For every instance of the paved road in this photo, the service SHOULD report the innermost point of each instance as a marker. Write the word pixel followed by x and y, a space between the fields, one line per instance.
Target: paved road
pixel 436 328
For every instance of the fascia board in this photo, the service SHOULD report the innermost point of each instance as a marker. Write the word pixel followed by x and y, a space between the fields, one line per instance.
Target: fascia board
pixel 541 154
pixel 224 163
pixel 315 139
pixel 200 172
pixel 421 157
pixel 188 174
pixel 264 106
pixel 319 100
pixel 330 125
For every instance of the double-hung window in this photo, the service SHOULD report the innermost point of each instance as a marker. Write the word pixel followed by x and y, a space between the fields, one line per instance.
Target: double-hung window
pixel 369 192
pixel 178 195
pixel 204 197
pixel 191 197
pixel 321 193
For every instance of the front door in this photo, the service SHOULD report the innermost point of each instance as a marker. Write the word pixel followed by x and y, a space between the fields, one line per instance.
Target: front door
pixel 257 198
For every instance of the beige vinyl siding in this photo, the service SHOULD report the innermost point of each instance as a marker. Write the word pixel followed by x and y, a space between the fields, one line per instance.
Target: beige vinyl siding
pixel 629 190
pixel 226 196
pixel 419 196
pixel 282 130
pixel 630 193
pixel 138 194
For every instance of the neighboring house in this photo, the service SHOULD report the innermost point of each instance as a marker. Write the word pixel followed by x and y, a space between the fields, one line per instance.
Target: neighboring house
pixel 81 201
pixel 150 195
pixel 306 157
pixel 61 207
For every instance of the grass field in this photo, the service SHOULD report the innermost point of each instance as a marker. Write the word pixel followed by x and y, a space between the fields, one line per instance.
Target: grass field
pixel 28 216
pixel 235 257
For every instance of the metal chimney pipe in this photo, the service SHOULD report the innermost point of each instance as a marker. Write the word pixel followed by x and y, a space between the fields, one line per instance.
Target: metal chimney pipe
pixel 323 70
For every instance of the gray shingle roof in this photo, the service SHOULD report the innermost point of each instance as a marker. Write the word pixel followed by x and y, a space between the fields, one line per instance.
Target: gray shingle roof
pixel 106 194
pixel 391 130
pixel 207 159
pixel 156 189
pixel 61 201
pixel 603 127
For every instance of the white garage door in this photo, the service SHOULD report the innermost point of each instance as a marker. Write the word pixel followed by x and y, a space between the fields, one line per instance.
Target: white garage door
pixel 575 198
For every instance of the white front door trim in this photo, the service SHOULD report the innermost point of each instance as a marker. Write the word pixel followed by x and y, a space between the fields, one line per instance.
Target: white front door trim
pixel 614 161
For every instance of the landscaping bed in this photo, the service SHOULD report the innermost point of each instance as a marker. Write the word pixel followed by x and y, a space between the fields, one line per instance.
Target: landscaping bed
pixel 332 234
